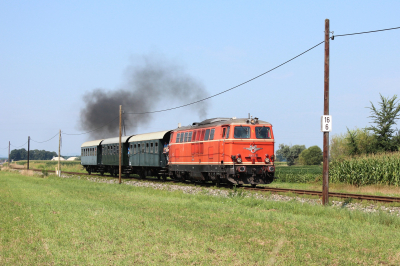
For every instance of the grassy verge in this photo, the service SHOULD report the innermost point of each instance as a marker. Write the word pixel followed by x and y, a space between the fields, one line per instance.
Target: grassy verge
pixel 66 166
pixel 77 222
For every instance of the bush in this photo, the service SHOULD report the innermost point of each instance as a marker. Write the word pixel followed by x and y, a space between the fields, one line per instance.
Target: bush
pixel 311 156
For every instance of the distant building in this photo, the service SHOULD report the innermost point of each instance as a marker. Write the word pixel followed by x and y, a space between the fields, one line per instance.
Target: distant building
pixel 56 159
pixel 72 158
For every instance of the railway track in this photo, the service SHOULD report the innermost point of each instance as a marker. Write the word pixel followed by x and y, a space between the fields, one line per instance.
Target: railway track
pixel 267 189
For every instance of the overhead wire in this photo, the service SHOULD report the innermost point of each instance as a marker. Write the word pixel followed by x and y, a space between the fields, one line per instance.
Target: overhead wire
pixel 364 32
pixel 222 92
pixel 19 146
pixel 45 140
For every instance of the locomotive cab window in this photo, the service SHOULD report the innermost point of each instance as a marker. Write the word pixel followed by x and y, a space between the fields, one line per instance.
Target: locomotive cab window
pixel 207 134
pixel 212 134
pixel 241 132
pixel 178 137
pixel 186 136
pixel 263 133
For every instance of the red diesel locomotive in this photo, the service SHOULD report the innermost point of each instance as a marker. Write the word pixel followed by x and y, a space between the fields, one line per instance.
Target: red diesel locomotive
pixel 229 150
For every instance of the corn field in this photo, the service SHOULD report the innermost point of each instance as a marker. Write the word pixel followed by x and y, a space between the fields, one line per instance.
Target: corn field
pixel 367 170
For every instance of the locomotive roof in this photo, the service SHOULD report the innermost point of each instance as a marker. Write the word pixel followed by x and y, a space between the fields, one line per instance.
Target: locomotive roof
pixel 116 140
pixel 221 121
pixel 92 143
pixel 149 136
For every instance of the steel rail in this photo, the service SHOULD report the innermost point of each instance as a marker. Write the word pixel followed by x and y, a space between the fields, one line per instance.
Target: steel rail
pixel 261 189
pixel 331 194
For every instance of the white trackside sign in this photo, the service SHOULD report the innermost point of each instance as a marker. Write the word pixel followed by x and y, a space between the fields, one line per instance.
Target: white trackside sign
pixel 326 123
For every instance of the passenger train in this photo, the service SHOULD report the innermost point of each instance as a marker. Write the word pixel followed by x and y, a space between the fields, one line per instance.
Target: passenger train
pixel 220 150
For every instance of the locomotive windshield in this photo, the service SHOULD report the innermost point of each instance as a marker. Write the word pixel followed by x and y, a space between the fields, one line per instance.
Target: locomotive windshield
pixel 263 133
pixel 241 132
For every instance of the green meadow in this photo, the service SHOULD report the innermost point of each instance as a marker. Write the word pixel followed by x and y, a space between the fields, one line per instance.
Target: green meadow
pixel 71 221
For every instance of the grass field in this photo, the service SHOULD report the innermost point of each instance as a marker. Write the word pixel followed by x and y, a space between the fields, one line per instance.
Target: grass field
pixel 76 222
pixel 66 166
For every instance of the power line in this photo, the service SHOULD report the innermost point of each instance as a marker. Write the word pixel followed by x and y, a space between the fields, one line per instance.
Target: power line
pixel 364 32
pixel 241 84
pixel 19 146
pixel 70 134
pixel 45 140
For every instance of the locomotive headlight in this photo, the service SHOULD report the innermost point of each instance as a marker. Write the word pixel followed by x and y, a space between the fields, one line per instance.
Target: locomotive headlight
pixel 266 160
pixel 239 158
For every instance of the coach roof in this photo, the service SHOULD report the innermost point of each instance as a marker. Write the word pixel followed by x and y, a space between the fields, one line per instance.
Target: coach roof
pixel 149 136
pixel 115 140
pixel 92 143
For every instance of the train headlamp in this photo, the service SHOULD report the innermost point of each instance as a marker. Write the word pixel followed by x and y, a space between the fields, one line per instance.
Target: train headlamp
pixel 239 158
pixel 267 160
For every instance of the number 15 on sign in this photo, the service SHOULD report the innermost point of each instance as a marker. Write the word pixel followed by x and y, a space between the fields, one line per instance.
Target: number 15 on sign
pixel 326 123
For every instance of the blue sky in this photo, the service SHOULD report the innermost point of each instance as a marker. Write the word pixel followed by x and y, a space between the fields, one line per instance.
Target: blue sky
pixel 53 52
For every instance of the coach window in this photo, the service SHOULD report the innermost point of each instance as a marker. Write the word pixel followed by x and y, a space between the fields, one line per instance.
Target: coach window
pixel 241 132
pixel 207 134
pixel 190 136
pixel 186 136
pixel 138 146
pixel 182 136
pixel 147 147
pixel 156 148
pixel 263 133
pixel 212 134
pixel 178 137
pixel 151 147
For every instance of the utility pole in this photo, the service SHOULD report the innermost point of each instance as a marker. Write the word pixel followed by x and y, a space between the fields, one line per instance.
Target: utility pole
pixel 59 154
pixel 29 139
pixel 120 146
pixel 9 162
pixel 325 174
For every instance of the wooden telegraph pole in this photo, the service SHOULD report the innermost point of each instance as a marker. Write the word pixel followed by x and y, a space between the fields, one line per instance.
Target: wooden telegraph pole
pixel 325 174
pixel 9 162
pixel 29 139
pixel 59 154
pixel 120 146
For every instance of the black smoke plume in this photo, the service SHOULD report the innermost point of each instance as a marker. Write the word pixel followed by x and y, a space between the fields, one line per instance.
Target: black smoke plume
pixel 150 81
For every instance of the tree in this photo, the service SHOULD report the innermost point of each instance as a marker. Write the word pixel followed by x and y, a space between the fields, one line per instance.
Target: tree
pixel 311 156
pixel 384 118
pixel 290 153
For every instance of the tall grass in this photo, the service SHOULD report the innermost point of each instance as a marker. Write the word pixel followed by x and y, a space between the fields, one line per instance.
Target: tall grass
pixel 367 170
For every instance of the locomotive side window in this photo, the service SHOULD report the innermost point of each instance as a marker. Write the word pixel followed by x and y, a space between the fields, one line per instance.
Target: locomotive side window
pixel 263 133
pixel 203 132
pixel 186 136
pixel 227 132
pixel 207 134
pixel 212 134
pixel 190 136
pixel 156 148
pixel 178 137
pixel 182 136
pixel 241 132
